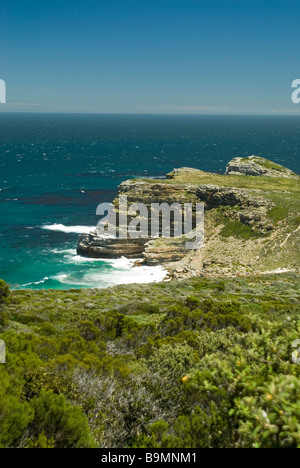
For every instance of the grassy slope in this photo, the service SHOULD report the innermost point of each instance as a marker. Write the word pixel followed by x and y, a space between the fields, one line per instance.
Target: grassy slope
pixel 119 356
pixel 64 309
pixel 285 193
pixel 262 183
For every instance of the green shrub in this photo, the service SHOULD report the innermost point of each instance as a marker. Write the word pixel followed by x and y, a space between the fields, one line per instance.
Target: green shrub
pixel 4 291
pixel 239 230
pixel 61 422
pixel 15 413
pixel 3 319
pixel 89 331
pixel 212 316
pixel 192 303
pixel 40 442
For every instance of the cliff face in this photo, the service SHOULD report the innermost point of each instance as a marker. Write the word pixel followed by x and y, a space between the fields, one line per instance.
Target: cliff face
pixel 91 245
pixel 137 191
pixel 251 223
pixel 164 251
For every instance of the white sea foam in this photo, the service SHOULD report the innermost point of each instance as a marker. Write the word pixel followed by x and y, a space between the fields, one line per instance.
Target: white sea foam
pixel 36 283
pixel 101 279
pixel 114 271
pixel 122 263
pixel 70 252
pixel 79 259
pixel 123 271
pixel 133 275
pixel 61 278
pixel 70 256
pixel 69 229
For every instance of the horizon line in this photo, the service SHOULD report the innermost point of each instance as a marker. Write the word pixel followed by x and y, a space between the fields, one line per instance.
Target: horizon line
pixel 240 114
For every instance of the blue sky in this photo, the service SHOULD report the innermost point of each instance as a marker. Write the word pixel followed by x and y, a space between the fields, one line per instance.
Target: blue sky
pixel 154 56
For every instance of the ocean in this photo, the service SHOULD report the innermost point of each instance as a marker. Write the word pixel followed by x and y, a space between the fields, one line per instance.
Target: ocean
pixel 56 169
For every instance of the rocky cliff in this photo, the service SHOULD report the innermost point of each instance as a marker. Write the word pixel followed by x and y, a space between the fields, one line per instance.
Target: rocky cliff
pixel 251 222
pixel 93 246
pixel 257 166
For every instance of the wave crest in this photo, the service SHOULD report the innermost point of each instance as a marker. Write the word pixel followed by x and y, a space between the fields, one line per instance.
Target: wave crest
pixel 69 229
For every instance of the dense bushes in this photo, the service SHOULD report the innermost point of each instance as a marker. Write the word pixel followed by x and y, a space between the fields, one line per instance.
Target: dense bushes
pixel 59 421
pixel 44 421
pixel 15 413
pixel 4 294
pixel 4 291
pixel 211 316
pixel 204 364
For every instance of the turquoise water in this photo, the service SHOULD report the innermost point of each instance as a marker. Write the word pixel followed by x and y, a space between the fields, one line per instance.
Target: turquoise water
pixel 56 169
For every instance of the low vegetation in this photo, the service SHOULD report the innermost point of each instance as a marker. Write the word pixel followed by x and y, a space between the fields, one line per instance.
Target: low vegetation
pixel 237 229
pixel 200 363
pixel 268 184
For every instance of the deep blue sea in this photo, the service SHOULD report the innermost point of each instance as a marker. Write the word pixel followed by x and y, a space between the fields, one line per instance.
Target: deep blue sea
pixel 56 169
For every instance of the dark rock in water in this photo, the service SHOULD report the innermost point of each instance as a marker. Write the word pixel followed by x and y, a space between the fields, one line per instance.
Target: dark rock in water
pixel 93 246
pixel 257 166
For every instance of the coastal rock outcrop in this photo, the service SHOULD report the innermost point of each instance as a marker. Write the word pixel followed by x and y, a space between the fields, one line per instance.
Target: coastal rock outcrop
pixel 186 172
pixel 148 192
pixel 251 207
pixel 257 166
pixel 250 225
pixel 94 246
pixel 139 191
pixel 214 196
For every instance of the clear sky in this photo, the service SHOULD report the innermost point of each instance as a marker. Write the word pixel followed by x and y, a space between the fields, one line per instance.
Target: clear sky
pixel 150 56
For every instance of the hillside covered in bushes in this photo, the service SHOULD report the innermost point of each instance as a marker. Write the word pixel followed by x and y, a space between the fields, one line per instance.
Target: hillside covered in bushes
pixel 200 363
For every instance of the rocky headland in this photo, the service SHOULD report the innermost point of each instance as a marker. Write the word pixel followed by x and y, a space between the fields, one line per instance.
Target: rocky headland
pixel 252 219
pixel 257 166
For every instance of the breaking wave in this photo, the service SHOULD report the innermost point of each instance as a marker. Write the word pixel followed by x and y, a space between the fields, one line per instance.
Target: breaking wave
pixel 102 273
pixel 69 229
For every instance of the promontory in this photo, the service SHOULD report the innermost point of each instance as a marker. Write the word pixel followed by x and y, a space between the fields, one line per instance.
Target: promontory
pixel 252 221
